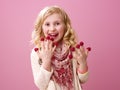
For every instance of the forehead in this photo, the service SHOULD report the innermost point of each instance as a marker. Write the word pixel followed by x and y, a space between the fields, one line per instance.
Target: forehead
pixel 54 17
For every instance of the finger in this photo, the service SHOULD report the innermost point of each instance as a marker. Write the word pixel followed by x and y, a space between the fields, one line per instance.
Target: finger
pixel 73 51
pixel 42 42
pixel 81 43
pixel 82 49
pixel 42 45
pixel 75 55
pixel 53 47
pixel 52 39
pixel 48 38
pixel 49 42
pixel 78 51
pixel 77 47
pixel 70 56
pixel 47 45
pixel 42 39
pixel 37 51
pixel 50 46
pixel 88 49
pixel 87 52
pixel 82 46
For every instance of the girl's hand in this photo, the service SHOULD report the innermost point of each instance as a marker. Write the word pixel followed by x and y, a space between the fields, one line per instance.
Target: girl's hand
pixel 80 53
pixel 46 52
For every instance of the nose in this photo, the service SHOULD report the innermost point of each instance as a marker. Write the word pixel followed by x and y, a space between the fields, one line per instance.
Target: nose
pixel 52 28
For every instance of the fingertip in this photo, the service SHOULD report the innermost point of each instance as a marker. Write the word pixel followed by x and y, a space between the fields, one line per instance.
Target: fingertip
pixel 78 46
pixel 81 43
pixel 52 39
pixel 72 49
pixel 42 39
pixel 70 56
pixel 48 37
pixel 55 44
pixel 36 49
pixel 88 48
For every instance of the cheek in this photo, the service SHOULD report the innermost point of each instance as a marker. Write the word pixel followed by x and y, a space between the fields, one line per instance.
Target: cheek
pixel 44 32
pixel 62 30
pixel 61 33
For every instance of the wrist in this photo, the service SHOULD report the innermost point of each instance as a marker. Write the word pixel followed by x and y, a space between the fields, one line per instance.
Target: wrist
pixel 82 63
pixel 47 66
pixel 82 68
pixel 82 71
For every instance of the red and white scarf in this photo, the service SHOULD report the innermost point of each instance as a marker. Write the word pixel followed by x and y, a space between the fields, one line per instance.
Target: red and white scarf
pixel 62 67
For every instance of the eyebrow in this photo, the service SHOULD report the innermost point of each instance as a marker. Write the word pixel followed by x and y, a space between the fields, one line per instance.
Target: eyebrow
pixel 54 21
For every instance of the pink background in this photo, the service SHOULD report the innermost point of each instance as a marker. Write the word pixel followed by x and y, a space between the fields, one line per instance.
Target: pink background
pixel 97 23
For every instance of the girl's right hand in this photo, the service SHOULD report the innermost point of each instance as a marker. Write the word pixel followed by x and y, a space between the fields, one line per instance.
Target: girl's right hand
pixel 46 51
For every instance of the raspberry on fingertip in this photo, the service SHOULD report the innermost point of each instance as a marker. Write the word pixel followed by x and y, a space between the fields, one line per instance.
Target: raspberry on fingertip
pixel 35 49
pixel 89 48
pixel 48 38
pixel 78 46
pixel 72 49
pixel 70 56
pixel 42 39
pixel 52 39
pixel 81 43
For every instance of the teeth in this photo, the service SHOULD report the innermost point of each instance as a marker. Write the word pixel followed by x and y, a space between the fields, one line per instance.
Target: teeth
pixel 53 35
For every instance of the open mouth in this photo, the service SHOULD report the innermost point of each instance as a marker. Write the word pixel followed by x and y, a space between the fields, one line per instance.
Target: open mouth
pixel 53 35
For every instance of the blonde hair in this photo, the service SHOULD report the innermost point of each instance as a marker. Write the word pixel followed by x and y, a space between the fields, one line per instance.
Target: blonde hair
pixel 69 36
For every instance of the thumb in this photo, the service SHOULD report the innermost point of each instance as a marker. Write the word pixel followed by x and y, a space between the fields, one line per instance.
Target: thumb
pixel 88 50
pixel 37 51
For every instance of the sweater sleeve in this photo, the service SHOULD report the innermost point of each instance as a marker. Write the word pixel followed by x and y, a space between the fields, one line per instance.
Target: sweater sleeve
pixel 83 77
pixel 41 76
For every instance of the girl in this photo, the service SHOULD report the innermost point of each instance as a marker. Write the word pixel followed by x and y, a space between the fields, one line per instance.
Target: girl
pixel 58 62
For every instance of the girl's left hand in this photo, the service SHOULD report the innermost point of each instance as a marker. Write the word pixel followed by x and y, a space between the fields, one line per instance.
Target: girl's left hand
pixel 81 53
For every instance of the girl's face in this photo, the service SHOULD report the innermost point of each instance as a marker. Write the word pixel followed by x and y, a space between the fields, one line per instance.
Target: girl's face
pixel 54 27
